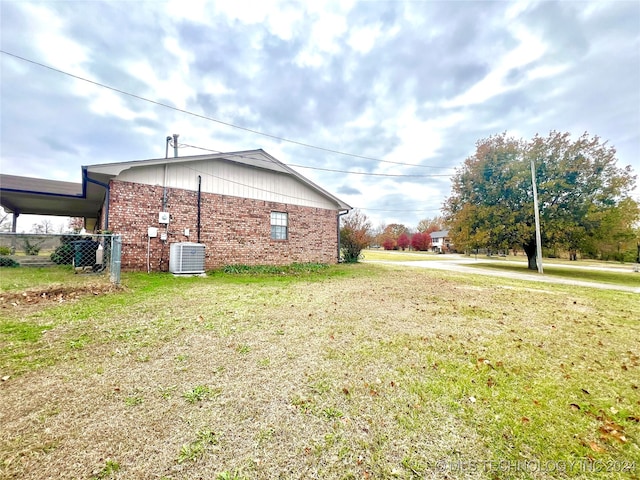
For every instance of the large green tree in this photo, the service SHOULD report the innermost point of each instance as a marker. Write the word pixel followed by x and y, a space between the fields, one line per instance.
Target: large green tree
pixel 579 185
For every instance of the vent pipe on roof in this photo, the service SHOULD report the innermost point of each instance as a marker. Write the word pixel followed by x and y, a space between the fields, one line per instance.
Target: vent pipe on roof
pixel 175 145
pixel 166 150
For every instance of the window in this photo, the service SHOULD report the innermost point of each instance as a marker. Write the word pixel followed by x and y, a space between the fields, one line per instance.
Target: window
pixel 279 225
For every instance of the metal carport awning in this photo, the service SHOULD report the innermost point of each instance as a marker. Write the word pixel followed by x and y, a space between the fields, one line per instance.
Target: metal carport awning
pixel 26 195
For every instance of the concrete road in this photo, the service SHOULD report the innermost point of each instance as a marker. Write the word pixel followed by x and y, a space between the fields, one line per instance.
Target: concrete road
pixel 461 264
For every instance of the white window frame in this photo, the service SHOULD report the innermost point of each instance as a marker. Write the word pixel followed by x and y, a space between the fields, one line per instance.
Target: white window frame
pixel 279 226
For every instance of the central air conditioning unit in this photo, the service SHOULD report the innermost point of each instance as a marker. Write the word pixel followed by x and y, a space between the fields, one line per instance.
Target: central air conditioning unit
pixel 186 257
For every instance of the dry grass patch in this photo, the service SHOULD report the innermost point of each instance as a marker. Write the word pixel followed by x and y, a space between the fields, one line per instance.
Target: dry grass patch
pixel 361 372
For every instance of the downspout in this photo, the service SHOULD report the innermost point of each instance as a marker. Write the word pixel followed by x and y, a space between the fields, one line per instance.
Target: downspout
pixel 106 187
pixel 199 203
pixel 340 214
pixel 164 184
pixel 164 189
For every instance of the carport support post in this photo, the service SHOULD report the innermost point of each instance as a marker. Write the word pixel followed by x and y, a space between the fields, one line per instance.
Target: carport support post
pixel 14 228
pixel 14 221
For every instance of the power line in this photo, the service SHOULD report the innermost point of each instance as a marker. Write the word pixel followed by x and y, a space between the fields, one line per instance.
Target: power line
pixel 320 168
pixel 211 119
pixel 252 187
pixel 403 211
pixel 366 173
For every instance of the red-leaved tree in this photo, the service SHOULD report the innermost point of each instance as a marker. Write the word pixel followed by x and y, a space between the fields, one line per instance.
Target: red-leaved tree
pixel 421 241
pixel 388 243
pixel 355 235
pixel 404 241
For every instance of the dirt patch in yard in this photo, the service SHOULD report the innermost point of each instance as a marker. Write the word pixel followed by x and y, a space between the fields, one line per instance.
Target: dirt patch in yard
pixel 53 294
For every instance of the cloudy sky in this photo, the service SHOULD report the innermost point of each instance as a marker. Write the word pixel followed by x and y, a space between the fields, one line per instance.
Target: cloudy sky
pixel 410 85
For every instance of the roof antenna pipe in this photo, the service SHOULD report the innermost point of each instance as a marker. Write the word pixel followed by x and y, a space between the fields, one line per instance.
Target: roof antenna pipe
pixel 166 152
pixel 175 145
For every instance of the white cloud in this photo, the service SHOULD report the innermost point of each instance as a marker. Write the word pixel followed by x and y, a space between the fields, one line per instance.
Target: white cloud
pixel 530 49
pixel 48 33
pixel 175 86
pixel 194 10
pixel 363 39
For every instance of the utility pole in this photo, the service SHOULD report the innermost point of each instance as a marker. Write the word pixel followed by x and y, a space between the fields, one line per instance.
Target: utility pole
pixel 537 216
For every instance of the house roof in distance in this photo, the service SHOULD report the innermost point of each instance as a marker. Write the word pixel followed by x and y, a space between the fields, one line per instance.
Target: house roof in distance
pixel 440 234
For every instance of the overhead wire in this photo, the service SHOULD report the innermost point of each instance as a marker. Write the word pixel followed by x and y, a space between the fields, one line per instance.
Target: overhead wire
pixel 276 137
pixel 321 168
pixel 212 119
pixel 252 187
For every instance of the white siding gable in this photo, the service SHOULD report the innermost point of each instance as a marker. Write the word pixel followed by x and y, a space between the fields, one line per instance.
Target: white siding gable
pixel 223 177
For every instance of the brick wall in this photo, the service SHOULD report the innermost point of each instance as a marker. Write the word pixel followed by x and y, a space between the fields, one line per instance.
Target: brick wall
pixel 234 230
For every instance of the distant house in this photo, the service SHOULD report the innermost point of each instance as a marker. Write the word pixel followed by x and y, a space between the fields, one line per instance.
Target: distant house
pixel 245 207
pixel 440 241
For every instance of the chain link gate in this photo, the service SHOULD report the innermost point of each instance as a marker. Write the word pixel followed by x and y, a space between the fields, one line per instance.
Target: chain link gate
pixel 94 254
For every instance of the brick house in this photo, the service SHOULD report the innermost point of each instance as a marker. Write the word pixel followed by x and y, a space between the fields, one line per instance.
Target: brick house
pixel 245 207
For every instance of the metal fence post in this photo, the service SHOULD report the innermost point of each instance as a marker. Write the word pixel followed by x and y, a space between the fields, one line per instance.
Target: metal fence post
pixel 116 251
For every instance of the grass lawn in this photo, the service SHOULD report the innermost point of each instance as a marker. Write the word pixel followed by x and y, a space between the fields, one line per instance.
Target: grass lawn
pixel 354 371
pixel 405 256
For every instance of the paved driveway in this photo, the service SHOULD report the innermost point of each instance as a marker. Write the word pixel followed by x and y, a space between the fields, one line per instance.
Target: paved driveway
pixel 461 264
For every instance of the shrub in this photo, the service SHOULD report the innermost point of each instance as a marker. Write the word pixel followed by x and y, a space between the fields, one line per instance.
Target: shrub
pixel 31 248
pixel 63 255
pixel 354 236
pixel 8 262
pixel 5 250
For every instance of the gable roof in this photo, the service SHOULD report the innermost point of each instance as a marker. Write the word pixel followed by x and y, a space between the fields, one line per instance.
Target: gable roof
pixel 251 158
pixel 440 234
pixel 51 197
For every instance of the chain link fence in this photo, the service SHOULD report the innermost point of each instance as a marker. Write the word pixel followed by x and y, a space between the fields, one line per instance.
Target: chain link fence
pixel 86 254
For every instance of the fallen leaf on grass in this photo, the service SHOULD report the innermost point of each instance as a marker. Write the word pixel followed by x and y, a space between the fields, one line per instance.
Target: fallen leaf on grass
pixel 525 420
pixel 596 448
pixel 574 406
pixel 611 430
